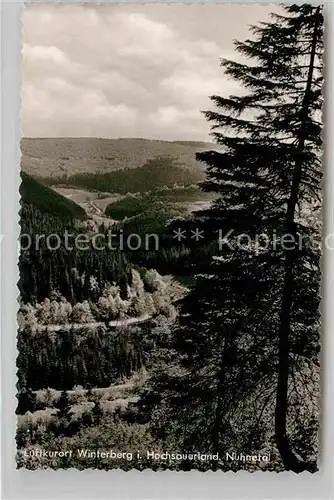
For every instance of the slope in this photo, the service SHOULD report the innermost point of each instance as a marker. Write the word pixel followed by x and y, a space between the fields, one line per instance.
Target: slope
pixel 67 156
pixel 48 201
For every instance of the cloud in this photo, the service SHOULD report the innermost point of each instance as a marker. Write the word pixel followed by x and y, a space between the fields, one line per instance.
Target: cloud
pixel 44 54
pixel 86 111
pixel 126 70
pixel 173 122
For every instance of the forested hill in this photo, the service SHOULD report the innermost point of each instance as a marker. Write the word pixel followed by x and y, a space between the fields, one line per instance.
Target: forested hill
pixel 67 156
pixel 155 173
pixel 48 201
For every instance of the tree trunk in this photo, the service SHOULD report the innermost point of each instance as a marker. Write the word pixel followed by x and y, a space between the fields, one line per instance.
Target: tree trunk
pixel 290 460
pixel 217 426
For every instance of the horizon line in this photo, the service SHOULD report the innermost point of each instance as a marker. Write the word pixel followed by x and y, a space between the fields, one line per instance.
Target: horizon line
pixel 117 138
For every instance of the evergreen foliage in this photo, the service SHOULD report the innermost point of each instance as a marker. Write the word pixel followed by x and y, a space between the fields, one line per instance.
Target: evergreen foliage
pixel 26 401
pixel 64 415
pixel 68 269
pixel 261 321
pixel 69 358
pixel 235 365
pixel 46 200
pixel 156 172
pixel 132 205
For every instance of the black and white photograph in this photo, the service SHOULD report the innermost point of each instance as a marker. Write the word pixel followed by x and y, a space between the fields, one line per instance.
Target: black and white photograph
pixel 169 303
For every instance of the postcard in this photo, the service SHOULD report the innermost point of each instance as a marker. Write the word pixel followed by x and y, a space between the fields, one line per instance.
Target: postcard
pixel 170 244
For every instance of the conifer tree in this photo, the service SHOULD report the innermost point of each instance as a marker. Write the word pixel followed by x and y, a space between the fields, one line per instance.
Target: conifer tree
pixel 214 360
pixel 267 173
pixel 64 414
pixel 97 413
pixel 26 401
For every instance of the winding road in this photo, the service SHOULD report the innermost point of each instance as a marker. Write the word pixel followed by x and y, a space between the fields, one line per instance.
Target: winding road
pixel 76 326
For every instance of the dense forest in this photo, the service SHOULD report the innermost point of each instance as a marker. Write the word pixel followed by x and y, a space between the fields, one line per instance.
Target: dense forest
pixel 160 171
pixel 69 271
pixel 196 347
pixel 48 201
pixel 132 205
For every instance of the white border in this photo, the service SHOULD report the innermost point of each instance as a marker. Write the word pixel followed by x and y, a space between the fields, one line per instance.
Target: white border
pixel 91 484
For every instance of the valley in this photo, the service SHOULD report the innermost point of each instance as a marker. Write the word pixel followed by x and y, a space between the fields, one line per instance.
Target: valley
pixel 99 320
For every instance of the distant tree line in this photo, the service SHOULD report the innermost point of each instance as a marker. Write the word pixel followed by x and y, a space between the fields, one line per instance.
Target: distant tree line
pixel 156 172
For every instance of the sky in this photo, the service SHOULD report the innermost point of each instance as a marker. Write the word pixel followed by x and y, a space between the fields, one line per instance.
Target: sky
pixel 128 70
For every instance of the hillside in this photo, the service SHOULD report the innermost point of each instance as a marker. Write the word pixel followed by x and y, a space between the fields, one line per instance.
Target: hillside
pixel 133 205
pixel 59 156
pixel 48 201
pixel 155 173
